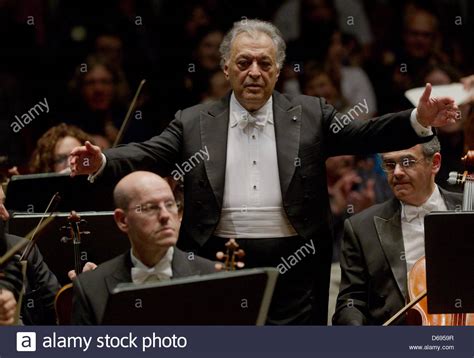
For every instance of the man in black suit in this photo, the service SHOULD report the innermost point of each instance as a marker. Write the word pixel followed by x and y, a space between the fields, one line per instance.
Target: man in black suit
pixel 41 285
pixel 147 212
pixel 382 243
pixel 253 167
pixel 10 282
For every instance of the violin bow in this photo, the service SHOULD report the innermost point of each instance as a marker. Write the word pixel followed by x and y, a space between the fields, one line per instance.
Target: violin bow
pixel 405 309
pixel 55 199
pixel 26 241
pixel 126 121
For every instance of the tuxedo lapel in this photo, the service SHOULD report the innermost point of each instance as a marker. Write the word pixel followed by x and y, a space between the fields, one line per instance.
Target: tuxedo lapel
pixel 389 231
pixel 453 201
pixel 181 265
pixel 287 121
pixel 122 274
pixel 214 127
pixel 185 265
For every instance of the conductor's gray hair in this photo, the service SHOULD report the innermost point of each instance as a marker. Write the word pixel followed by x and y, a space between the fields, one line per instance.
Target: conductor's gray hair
pixel 253 28
pixel 430 148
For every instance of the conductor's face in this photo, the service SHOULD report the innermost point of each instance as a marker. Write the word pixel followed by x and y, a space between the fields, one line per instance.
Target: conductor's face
pixel 252 69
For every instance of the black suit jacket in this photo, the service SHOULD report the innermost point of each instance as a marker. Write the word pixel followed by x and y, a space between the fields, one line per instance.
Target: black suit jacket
pixel 41 287
pixel 373 271
pixel 304 139
pixel 92 288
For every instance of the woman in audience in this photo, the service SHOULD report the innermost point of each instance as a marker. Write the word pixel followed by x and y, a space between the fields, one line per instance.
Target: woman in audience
pixel 53 148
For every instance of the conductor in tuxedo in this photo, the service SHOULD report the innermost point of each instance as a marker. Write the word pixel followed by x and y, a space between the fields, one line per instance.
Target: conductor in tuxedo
pixel 382 243
pixel 147 212
pixel 253 165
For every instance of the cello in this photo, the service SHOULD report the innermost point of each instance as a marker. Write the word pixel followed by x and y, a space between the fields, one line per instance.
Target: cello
pixel 417 309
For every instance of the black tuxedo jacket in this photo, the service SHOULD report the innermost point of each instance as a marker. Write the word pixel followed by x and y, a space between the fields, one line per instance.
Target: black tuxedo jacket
pixel 92 288
pixel 374 273
pixel 306 132
pixel 304 139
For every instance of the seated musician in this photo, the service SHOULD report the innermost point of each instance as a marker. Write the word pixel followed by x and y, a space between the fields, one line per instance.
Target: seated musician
pixel 382 243
pixel 147 212
pixel 10 283
pixel 41 284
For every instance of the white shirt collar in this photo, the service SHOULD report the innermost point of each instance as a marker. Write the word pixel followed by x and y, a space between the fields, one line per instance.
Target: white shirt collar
pixel 236 108
pixel 163 266
pixel 434 202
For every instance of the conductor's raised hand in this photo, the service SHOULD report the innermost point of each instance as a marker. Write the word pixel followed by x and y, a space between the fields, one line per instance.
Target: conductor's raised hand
pixel 436 111
pixel 85 159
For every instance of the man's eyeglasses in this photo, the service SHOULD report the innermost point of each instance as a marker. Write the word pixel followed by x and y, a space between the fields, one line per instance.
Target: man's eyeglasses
pixel 406 163
pixel 155 209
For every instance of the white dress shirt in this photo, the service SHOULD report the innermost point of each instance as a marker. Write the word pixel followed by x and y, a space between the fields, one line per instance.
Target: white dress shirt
pixel 413 231
pixel 162 271
pixel 252 204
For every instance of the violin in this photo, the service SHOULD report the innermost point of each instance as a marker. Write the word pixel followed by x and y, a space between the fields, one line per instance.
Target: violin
pixel 63 299
pixel 417 309
pixel 232 258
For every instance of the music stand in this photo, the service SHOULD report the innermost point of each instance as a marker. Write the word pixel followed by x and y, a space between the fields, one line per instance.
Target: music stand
pixel 31 193
pixel 449 251
pixel 225 298
pixel 104 242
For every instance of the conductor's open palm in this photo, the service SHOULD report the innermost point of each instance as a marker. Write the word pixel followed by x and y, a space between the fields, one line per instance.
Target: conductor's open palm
pixel 436 111
pixel 85 159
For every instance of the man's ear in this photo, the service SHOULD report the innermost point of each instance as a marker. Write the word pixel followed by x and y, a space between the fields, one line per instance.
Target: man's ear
pixel 436 163
pixel 226 69
pixel 121 220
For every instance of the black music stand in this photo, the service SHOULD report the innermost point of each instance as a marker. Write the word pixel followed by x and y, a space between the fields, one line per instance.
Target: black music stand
pixel 449 250
pixel 104 242
pixel 32 193
pixel 225 298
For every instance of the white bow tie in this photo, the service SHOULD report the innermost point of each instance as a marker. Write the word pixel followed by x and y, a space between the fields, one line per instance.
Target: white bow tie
pixel 141 275
pixel 411 212
pixel 248 119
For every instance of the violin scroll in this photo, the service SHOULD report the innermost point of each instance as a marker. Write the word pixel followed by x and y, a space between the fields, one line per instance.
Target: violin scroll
pixel 232 257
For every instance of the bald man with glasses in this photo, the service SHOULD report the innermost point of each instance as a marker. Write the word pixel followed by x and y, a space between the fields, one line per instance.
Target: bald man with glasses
pixel 147 212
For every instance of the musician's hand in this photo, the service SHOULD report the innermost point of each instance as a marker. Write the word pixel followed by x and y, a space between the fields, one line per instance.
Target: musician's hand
pixel 86 159
pixel 89 266
pixel 7 307
pixel 436 112
pixel 13 171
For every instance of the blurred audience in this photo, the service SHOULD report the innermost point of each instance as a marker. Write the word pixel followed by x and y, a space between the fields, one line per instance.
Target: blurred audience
pixel 397 70
pixel 451 136
pixel 318 82
pixel 53 148
pixel 100 93
pixel 204 63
